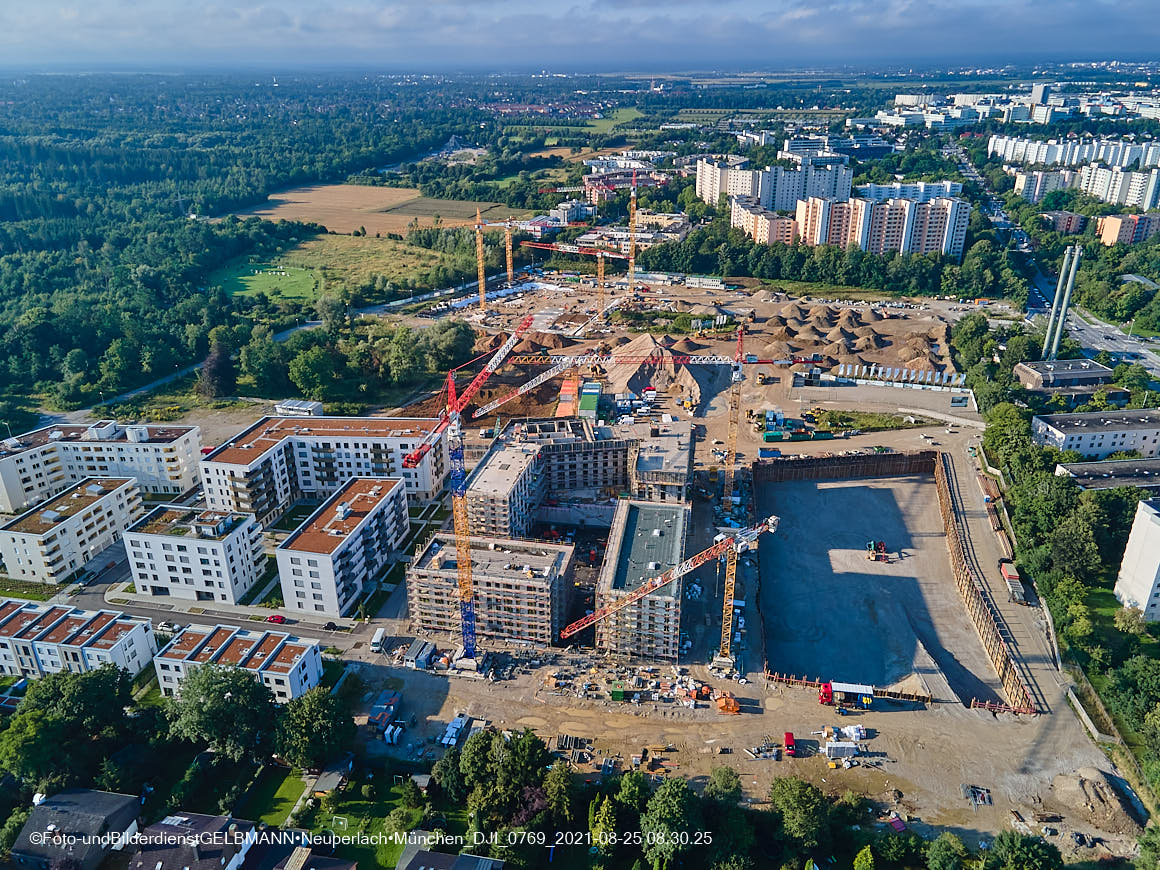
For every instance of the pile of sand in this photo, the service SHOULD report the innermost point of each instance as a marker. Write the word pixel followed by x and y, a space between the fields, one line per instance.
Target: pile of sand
pixel 871 316
pixel 768 295
pixel 839 334
pixel 1095 796
pixel 682 305
pixel 821 312
pixel 552 340
pixel 851 359
pixel 667 340
pixel 485 342
pixel 703 310
pixel 775 321
pixel 920 363
pixel 686 345
pixel 794 310
pixel 809 333
pixel 621 340
pixel 526 345
pixel 870 342
pixel 782 333
pixel 778 350
pixel 661 371
pixel 849 318
pixel 836 349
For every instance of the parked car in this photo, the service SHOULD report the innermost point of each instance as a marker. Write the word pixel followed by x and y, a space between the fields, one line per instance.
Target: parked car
pixel 330 626
pixel 276 617
pixel 168 627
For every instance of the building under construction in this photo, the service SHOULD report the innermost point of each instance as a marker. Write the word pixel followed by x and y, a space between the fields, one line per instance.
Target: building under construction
pixel 646 539
pixel 533 461
pixel 522 588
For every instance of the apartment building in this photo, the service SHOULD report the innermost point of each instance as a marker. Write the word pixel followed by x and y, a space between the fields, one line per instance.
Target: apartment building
pixel 1113 152
pixel 778 187
pixel 646 540
pixel 919 191
pixel 534 460
pixel 198 555
pixel 1138 583
pixel 1127 229
pixel 55 541
pixel 1067 223
pixel 1096 434
pixel 938 226
pixel 283 460
pixel 38 639
pixel 522 588
pixel 653 228
pixel 289 666
pixel 39 464
pixel 324 565
pixel 1036 184
pixel 761 224
pixel 1121 186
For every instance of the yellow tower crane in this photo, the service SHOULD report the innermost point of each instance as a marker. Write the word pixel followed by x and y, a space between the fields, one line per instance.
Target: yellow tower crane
pixel 632 237
pixel 508 226
pixel 725 654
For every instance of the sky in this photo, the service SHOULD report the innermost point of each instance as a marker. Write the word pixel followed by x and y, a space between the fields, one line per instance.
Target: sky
pixel 567 35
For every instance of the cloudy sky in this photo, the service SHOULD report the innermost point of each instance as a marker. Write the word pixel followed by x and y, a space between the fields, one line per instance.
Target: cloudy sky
pixel 568 34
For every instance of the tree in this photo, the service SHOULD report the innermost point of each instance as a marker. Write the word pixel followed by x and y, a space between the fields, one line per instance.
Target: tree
pixel 945 852
pixel 313 372
pixel 411 795
pixel 12 827
pixel 264 363
pixel 724 785
pixel 92 702
pixel 218 376
pixel 1149 849
pixel 803 809
pixel 332 312
pixel 475 760
pixel 446 774
pixel 1130 620
pixel 633 792
pixel 864 860
pixel 226 709
pixel 671 812
pixel 30 747
pixel 313 728
pixel 1014 851
pixel 559 791
pixel 603 826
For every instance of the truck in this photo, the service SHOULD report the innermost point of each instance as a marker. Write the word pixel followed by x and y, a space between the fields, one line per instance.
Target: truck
pixel 790 745
pixel 1010 574
pixel 378 640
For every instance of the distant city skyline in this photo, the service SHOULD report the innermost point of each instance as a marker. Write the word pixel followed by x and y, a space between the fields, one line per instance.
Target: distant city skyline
pixel 628 35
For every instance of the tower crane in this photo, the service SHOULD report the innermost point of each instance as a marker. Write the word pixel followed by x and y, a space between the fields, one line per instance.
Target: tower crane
pixel 449 422
pixel 632 236
pixel 736 541
pixel 725 653
pixel 507 225
pixel 598 253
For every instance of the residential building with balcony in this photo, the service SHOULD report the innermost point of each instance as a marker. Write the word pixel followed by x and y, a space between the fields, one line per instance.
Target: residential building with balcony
pixel 327 561
pixel 38 639
pixel 198 555
pixel 53 542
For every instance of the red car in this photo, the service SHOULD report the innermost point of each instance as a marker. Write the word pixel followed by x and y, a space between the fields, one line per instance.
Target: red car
pixel 276 617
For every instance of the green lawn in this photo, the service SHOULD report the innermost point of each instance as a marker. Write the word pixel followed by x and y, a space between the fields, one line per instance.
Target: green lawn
pixel 279 281
pixel 356 814
pixel 865 420
pixel 13 588
pixel 620 116
pixel 331 671
pixel 272 796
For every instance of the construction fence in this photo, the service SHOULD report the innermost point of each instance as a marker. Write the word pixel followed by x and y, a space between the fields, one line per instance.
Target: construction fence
pixel 845 467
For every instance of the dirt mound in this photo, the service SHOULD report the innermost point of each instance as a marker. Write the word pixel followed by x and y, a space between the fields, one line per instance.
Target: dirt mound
pixel 768 295
pixel 782 333
pixel 775 321
pixel 778 350
pixel 809 333
pixel 621 340
pixel 839 334
pixel 1095 796
pixel 526 345
pixel 686 345
pixel 682 305
pixel 920 363
pixel 796 323
pixel 706 310
pixel 870 342
pixel 794 310
pixel 866 330
pixel 822 311
pixel 871 316
pixel 851 359
pixel 666 340
pixel 836 349
pixel 486 342
pixel 849 318
pixel 550 339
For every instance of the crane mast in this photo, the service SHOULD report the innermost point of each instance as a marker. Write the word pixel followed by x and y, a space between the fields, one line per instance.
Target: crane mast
pixel 736 540
pixel 632 236
pixel 482 278
pixel 725 653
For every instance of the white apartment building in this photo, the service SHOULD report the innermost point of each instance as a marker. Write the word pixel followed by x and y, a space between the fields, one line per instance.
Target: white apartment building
pixel 39 464
pixel 1095 434
pixel 776 187
pixel 919 191
pixel 1120 186
pixel 283 460
pixel 935 227
pixel 289 666
pixel 1035 185
pixel 38 639
pixel 1138 584
pixel 324 565
pixel 56 540
pixel 1113 152
pixel 197 555
pixel 761 224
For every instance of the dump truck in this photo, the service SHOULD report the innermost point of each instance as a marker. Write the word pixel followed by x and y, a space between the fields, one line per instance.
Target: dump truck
pixel 1010 574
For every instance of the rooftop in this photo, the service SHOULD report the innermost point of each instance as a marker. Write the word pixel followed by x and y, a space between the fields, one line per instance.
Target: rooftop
pixel 102 430
pixel 650 538
pixel 340 515
pixel 1103 421
pixel 61 624
pixel 501 558
pixel 72 501
pixel 1064 366
pixel 269 432
pixel 172 519
pixel 255 650
pixel 1144 473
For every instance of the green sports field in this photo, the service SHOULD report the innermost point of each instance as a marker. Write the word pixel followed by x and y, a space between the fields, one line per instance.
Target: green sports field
pixel 278 281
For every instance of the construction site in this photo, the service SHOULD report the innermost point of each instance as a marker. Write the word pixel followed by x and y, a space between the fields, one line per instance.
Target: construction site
pixel 634 570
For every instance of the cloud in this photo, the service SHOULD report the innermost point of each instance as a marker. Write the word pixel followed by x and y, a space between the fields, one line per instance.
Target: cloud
pixel 576 34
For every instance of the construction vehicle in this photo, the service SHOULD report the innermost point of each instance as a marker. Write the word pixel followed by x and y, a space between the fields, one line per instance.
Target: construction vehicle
pixel 876 551
pixel 736 540
pixel 849 694
pixel 449 422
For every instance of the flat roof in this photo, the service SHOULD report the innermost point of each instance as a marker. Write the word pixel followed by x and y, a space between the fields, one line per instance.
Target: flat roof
pixel 45 517
pixel 668 451
pixel 172 519
pixel 1066 366
pixel 43 621
pixel 1103 421
pixel 94 628
pixel 40 437
pixel 113 633
pixel 325 530
pixel 213 643
pixel 269 432
pixel 502 558
pixel 61 624
pixel 259 650
pixel 287 657
pixel 652 537
pixel 1114 473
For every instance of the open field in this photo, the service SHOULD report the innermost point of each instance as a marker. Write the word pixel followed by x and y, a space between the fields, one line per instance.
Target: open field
pixel 344 208
pixel 278 280
pixel 857 620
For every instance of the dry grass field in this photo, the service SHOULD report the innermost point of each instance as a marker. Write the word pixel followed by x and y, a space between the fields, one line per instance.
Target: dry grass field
pixel 344 208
